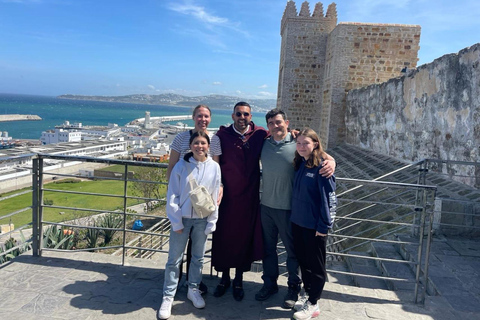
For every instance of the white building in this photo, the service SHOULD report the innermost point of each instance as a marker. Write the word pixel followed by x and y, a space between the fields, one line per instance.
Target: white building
pixel 60 135
pixel 16 163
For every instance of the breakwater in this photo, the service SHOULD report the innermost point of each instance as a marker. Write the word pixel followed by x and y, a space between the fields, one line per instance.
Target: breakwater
pixel 19 117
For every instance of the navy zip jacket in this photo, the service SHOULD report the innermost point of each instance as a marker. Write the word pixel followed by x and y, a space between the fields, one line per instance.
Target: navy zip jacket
pixel 314 202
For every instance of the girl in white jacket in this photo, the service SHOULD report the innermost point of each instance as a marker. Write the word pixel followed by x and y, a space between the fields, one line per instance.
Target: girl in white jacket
pixel 184 220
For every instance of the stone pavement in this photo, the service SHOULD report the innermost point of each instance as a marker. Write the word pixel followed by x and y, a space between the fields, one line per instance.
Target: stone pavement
pixel 81 285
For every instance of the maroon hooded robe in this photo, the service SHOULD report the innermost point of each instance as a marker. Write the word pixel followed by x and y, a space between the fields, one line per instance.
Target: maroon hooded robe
pixel 237 241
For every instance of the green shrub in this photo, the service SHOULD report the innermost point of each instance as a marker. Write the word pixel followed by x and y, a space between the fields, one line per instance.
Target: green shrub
pixel 110 220
pixel 68 180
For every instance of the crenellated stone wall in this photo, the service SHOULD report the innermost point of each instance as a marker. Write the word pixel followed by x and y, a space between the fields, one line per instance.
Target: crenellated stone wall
pixel 321 61
pixel 430 112
pixel 302 61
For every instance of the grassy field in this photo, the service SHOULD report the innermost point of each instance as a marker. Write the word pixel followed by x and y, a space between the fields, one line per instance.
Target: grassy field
pixel 68 200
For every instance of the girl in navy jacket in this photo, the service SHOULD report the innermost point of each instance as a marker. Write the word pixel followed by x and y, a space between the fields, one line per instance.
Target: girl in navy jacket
pixel 313 210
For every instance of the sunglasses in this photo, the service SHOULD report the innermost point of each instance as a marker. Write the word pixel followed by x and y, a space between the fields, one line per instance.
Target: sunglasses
pixel 245 114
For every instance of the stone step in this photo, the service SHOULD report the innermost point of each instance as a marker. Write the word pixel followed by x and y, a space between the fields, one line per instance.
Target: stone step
pixel 394 269
pixel 366 267
pixel 409 252
pixel 339 278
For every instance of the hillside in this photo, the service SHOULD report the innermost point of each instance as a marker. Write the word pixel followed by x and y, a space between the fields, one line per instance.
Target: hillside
pixel 171 99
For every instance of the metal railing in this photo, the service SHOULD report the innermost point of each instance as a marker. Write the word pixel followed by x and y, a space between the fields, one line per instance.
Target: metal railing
pixel 369 212
pixel 372 213
pixel 123 198
pixel 457 204
pixel 10 244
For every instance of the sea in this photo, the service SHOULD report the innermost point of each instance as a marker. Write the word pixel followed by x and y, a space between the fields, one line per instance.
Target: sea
pixel 55 111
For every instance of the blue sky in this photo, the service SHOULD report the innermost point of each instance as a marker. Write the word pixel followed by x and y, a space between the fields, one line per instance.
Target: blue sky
pixel 189 47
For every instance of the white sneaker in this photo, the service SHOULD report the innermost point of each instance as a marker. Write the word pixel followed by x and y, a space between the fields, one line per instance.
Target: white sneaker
pixel 195 296
pixel 301 301
pixel 165 310
pixel 308 311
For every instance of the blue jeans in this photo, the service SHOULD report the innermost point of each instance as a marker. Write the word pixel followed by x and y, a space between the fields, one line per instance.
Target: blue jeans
pixel 178 242
pixel 277 222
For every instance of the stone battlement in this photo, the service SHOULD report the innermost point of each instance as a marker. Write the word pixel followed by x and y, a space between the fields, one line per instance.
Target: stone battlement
pixel 320 61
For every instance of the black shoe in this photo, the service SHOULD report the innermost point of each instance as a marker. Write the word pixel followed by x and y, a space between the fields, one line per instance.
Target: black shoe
pixel 291 297
pixel 266 292
pixel 238 292
pixel 203 288
pixel 221 288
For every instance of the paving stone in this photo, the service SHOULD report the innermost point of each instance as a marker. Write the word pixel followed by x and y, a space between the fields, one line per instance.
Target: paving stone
pixel 94 296
pixel 44 304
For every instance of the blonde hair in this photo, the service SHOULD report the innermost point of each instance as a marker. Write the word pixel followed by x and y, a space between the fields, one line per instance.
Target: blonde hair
pixel 201 106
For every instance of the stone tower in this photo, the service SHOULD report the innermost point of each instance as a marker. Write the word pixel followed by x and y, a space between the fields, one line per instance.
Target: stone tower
pixel 302 62
pixel 321 61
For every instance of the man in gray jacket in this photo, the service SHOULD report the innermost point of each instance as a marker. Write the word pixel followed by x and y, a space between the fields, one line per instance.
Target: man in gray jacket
pixel 277 178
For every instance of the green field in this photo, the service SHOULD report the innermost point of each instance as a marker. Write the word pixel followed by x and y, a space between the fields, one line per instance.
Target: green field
pixel 69 200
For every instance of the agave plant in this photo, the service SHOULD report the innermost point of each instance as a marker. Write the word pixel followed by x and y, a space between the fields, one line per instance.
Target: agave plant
pixel 92 237
pixel 58 238
pixel 10 244
pixel 111 220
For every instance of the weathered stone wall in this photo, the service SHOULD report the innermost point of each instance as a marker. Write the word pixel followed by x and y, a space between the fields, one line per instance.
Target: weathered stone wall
pixel 431 112
pixel 358 55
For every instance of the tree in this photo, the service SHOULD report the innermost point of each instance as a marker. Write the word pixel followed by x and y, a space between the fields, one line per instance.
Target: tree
pixel 148 189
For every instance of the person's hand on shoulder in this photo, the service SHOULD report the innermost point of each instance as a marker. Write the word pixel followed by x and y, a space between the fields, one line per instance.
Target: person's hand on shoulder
pixel 328 168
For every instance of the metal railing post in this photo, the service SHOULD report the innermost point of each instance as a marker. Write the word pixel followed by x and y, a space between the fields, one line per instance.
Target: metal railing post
pixel 427 249
pixel 40 205
pixel 421 180
pixel 35 209
pixel 420 246
pixel 125 187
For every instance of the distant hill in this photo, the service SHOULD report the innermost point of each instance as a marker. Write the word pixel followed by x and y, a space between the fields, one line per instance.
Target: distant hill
pixel 170 99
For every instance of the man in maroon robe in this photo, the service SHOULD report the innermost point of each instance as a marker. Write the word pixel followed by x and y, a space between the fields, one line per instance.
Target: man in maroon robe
pixel 237 242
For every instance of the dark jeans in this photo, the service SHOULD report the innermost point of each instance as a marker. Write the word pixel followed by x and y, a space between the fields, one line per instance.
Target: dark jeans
pixel 277 222
pixel 311 254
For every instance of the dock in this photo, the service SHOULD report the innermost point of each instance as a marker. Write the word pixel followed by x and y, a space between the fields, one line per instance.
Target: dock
pixel 19 117
pixel 165 118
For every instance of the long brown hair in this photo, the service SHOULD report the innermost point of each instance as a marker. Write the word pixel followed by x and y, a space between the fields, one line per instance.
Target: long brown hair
pixel 317 154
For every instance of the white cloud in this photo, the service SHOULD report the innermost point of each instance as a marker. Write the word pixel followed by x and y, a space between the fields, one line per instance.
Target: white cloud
pixel 263 86
pixel 151 87
pixel 189 8
pixel 217 27
pixel 217 83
